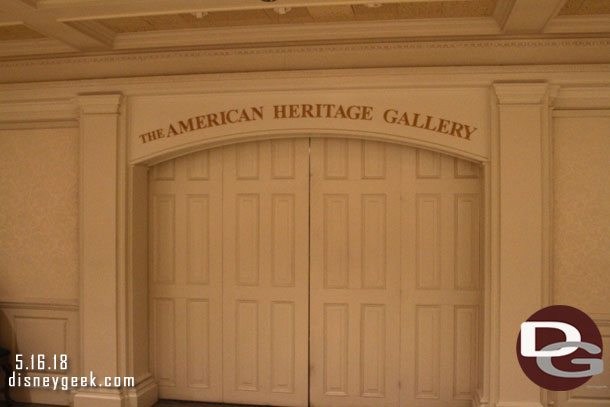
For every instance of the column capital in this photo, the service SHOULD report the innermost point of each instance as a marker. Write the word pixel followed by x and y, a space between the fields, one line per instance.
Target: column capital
pixel 521 93
pixel 99 103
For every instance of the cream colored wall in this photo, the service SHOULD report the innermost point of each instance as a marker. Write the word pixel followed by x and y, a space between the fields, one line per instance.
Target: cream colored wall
pixel 38 213
pixel 39 250
pixel 581 182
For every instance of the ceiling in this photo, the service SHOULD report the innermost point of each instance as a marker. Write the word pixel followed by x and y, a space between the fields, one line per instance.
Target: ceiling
pixel 35 28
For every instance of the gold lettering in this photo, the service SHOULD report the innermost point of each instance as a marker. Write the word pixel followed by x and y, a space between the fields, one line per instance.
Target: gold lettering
pixel 229 118
pixel 185 127
pixel 367 112
pixel 442 126
pixel 456 129
pixel 257 112
pixel 279 111
pixel 171 131
pixel 469 131
pixel 393 118
pixel 340 114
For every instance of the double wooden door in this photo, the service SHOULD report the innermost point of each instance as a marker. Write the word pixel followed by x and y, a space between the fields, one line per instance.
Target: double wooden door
pixel 315 271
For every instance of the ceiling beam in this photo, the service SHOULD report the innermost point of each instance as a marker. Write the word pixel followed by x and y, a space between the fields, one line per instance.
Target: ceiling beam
pixel 67 10
pixel 520 17
pixel 92 37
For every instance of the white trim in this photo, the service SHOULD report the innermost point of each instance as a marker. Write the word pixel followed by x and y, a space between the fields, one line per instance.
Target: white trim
pixel 578 24
pixel 38 110
pixel 582 113
pixel 99 104
pixel 13 48
pixel 583 79
pixel 530 93
pixel 276 57
pixel 31 125
pixel 145 394
pixel 60 304
pixel 271 33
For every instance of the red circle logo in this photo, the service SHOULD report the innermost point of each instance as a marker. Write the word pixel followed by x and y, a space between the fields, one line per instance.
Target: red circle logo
pixel 560 348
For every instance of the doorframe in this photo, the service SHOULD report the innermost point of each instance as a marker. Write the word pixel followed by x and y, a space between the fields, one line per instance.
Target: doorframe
pixel 516 245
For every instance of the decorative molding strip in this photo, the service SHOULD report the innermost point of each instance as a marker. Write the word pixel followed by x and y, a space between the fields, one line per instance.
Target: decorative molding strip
pixel 28 125
pixel 42 46
pixel 590 97
pixel 518 404
pixel 61 304
pixel 578 24
pixel 583 75
pixel 144 57
pixel 268 34
pixel 582 113
pixel 39 110
pixel 99 104
pixel 521 93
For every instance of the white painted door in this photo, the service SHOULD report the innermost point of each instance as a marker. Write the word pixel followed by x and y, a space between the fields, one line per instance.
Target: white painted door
pixel 186 276
pixel 372 249
pixel 266 272
pixel 355 273
pixel 394 276
pixel 440 279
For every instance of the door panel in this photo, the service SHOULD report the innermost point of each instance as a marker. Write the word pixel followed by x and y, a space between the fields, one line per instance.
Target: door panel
pixel 355 273
pixel 266 277
pixel 440 285
pixel 186 276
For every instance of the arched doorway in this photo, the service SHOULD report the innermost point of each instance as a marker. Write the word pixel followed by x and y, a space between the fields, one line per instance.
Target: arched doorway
pixel 326 271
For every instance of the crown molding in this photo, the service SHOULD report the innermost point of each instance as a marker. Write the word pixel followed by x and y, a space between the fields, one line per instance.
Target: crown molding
pixel 492 52
pixel 41 46
pixel 578 24
pixel 268 34
pixel 521 93
pixel 582 75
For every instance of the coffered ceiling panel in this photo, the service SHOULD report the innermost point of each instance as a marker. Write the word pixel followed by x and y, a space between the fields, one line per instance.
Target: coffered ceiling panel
pixel 18 32
pixel 301 15
pixel 586 7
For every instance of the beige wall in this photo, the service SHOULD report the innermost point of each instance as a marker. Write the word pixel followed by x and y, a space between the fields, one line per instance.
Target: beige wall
pixel 38 213
pixel 581 182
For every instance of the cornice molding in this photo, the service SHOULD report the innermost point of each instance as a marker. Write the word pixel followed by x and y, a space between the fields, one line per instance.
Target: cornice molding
pixel 521 93
pixel 578 24
pixel 44 46
pixel 302 33
pixel 147 56
pixel 99 104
